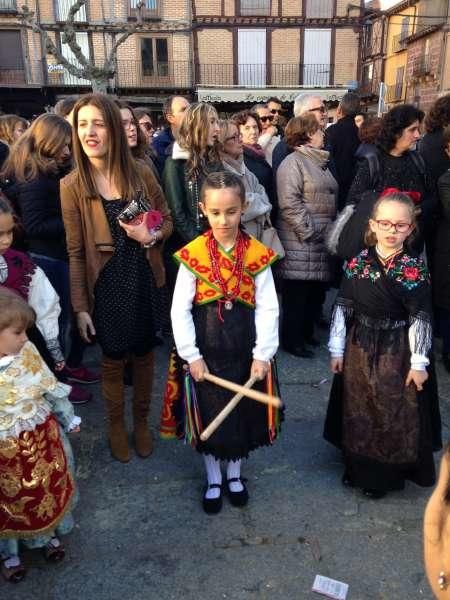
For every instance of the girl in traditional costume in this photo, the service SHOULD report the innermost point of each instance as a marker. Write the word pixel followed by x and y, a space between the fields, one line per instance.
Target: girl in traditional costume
pixel 37 489
pixel 225 320
pixel 20 274
pixel 383 409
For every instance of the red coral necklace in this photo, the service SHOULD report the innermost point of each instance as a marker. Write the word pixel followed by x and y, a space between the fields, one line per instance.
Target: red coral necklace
pixel 229 296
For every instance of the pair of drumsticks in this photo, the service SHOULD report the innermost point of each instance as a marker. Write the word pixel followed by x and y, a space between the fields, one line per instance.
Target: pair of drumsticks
pixel 241 391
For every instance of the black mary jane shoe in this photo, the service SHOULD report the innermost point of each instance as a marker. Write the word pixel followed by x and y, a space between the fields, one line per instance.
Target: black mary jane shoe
pixel 373 494
pixel 238 498
pixel 212 506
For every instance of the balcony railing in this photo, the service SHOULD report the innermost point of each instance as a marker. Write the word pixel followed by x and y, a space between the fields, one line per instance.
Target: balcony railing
pixel 395 93
pixel 178 75
pixel 8 6
pixel 399 42
pixel 149 9
pixel 254 8
pixel 21 75
pixel 421 66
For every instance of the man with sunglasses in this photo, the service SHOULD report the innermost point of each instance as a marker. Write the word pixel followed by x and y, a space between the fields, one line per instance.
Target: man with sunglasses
pixel 276 109
pixel 269 137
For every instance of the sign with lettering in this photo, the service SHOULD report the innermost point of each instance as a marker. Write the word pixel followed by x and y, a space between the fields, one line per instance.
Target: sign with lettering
pixel 253 96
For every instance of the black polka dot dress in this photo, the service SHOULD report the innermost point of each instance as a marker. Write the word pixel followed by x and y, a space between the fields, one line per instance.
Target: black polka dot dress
pixel 124 294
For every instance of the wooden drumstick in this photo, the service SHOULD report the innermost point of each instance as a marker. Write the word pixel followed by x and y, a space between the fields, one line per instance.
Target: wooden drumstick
pixel 235 387
pixel 220 418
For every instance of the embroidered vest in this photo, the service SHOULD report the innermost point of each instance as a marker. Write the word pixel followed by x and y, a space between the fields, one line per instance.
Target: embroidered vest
pixel 194 256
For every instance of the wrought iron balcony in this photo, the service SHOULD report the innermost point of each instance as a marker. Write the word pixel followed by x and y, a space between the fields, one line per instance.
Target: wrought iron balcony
pixel 421 66
pixel 149 8
pixel 395 93
pixel 399 42
pixel 8 6
pixel 20 75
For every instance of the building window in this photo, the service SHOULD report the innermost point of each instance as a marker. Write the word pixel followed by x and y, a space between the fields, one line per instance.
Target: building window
pixel 255 7
pixel 12 69
pixel 252 57
pixel 150 8
pixel 316 57
pixel 62 11
pixel 155 57
pixel 82 40
pixel 319 9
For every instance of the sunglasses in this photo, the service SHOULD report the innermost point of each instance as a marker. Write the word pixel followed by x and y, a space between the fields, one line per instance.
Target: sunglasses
pixel 147 126
pixel 268 118
pixel 276 111
pixel 321 109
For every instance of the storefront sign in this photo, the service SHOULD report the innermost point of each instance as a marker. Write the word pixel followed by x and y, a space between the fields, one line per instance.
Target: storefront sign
pixel 255 95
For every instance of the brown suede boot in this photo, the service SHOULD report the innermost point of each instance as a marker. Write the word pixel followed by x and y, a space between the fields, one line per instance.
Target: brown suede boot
pixel 142 382
pixel 113 393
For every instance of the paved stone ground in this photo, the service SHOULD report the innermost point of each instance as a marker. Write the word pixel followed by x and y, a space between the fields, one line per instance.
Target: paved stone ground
pixel 141 533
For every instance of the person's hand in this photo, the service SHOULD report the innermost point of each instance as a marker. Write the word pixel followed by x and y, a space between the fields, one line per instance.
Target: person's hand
pixel 76 429
pixel 139 233
pixel 85 326
pixel 416 377
pixel 197 369
pixel 259 369
pixel 59 366
pixel 337 364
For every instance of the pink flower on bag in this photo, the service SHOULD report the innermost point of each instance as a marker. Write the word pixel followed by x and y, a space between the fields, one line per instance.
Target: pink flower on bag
pixel 154 219
pixel 352 263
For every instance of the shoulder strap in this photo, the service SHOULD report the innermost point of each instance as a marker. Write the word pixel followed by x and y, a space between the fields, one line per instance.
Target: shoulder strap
pixel 374 168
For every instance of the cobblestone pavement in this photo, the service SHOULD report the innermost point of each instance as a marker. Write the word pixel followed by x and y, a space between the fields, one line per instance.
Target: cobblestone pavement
pixel 141 533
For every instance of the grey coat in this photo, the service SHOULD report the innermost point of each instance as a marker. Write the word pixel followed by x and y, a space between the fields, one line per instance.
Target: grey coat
pixel 307 197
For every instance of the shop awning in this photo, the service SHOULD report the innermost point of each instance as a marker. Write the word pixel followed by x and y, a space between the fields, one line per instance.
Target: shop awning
pixel 255 95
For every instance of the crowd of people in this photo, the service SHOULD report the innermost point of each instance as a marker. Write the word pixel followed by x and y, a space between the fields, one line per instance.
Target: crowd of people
pixel 117 235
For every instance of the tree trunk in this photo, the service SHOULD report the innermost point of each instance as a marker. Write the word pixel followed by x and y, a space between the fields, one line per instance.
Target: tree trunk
pixel 100 86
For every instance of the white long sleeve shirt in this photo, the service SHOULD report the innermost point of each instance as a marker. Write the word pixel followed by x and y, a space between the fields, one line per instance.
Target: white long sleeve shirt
pixel 266 316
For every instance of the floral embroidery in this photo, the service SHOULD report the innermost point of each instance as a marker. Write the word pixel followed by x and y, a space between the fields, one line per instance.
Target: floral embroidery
pixel 409 271
pixel 362 267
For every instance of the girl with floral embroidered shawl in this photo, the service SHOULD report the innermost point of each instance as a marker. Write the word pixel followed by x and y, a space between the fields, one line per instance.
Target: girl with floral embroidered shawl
pixel 37 489
pixel 383 411
pixel 225 320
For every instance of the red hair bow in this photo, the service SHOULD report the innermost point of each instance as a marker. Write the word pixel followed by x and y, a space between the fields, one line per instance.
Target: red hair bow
pixel 415 196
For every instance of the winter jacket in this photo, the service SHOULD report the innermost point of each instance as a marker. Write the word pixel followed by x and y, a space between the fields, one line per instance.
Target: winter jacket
pixel 307 196
pixel 39 206
pixel 89 240
pixel 441 263
pixel 183 193
pixel 162 144
pixel 342 142
pixel 261 168
pixel 431 147
pixel 258 205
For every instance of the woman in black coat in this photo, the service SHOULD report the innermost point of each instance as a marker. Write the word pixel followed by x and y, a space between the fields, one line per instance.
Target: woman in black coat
pixel 441 263
pixel 32 171
pixel 399 166
pixel 432 146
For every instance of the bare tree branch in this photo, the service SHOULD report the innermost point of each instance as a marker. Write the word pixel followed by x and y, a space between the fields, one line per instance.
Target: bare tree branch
pixel 87 69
